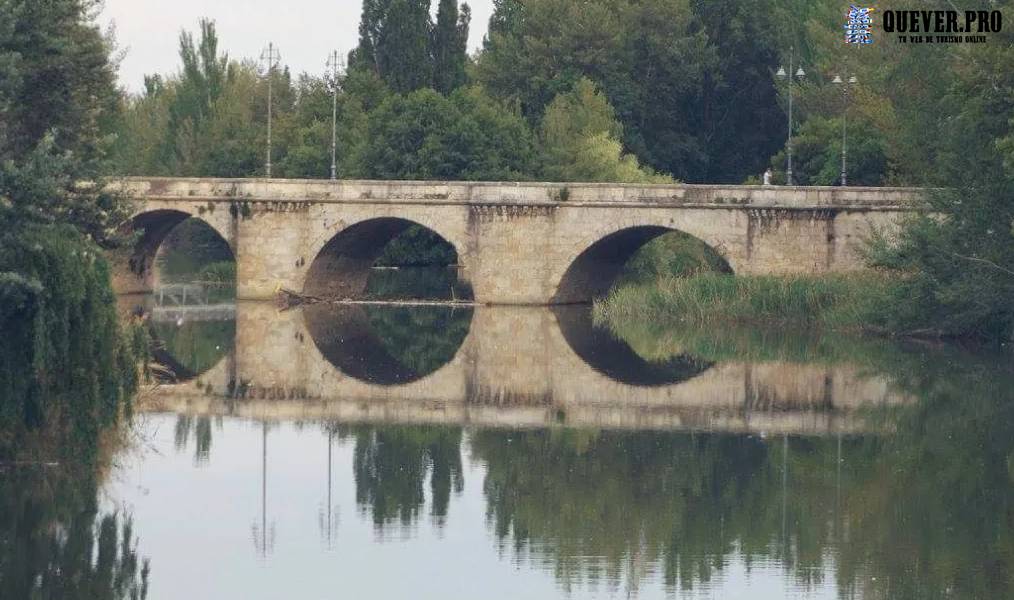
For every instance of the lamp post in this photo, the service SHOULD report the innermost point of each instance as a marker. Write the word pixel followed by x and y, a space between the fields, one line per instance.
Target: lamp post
pixel 789 76
pixel 334 66
pixel 271 56
pixel 846 83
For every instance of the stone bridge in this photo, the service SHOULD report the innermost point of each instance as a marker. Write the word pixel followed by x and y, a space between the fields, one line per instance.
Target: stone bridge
pixel 516 367
pixel 516 243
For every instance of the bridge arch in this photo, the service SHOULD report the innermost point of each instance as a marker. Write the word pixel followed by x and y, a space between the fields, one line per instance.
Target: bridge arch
pixel 342 264
pixel 599 258
pixel 134 270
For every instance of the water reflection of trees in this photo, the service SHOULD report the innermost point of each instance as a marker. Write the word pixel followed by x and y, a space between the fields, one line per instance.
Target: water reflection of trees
pixel 924 511
pixel 56 543
pixel 933 513
pixel 618 504
pixel 198 428
pixel 392 464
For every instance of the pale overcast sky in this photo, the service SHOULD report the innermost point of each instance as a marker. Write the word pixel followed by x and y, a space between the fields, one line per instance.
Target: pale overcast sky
pixel 304 30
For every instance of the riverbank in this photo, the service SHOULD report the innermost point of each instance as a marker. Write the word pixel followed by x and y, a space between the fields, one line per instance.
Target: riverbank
pixel 864 302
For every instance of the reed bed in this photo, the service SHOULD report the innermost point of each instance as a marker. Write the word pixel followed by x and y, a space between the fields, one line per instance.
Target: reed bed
pixel 839 302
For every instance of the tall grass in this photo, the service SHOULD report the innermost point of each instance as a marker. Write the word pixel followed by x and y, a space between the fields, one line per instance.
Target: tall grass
pixel 840 302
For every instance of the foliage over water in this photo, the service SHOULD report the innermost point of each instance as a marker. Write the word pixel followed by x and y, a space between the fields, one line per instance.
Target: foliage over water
pixel 66 365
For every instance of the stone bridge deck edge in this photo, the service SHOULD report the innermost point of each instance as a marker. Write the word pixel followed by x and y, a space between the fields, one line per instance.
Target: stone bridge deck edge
pixel 192 189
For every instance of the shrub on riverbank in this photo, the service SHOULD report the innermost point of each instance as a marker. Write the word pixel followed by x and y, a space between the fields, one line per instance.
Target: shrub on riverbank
pixel 223 271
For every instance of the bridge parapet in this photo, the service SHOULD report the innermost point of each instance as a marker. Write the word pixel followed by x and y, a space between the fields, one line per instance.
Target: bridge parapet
pixel 520 193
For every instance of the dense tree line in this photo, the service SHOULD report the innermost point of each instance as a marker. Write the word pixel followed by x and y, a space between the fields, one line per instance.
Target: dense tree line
pixel 406 110
pixel 681 88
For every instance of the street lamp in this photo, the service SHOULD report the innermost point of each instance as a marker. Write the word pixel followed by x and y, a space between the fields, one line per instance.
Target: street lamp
pixel 271 57
pixel 334 65
pixel 789 76
pixel 846 84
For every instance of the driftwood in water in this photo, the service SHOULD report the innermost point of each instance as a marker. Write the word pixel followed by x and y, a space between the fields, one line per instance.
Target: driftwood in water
pixel 288 299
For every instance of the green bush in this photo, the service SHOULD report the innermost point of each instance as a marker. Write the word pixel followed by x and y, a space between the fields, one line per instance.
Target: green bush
pixel 223 271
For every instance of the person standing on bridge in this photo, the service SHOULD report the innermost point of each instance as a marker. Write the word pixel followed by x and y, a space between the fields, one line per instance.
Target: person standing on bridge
pixel 767 176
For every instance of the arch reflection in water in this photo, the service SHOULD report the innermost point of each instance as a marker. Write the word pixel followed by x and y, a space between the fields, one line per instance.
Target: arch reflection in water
pixel 614 358
pixel 187 349
pixel 186 340
pixel 514 366
pixel 387 345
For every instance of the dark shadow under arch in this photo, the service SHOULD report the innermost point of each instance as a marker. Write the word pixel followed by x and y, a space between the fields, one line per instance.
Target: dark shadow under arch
pixel 596 269
pixel 342 268
pixel 152 228
pixel 387 345
pixel 615 359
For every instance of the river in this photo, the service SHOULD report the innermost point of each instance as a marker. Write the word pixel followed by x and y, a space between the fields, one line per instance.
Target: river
pixel 528 452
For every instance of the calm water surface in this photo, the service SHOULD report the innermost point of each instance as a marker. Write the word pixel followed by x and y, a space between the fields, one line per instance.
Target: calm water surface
pixel 434 452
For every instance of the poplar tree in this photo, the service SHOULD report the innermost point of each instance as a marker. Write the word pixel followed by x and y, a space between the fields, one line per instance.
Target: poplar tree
pixel 364 56
pixel 450 42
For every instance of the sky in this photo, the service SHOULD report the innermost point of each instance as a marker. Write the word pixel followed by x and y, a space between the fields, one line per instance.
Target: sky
pixel 305 31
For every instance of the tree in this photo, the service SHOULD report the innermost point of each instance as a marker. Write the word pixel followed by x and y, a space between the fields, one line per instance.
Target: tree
pixel 691 87
pixel 364 56
pixel 816 154
pixel 580 140
pixel 506 19
pixel 65 365
pixel 450 43
pixel 426 136
pixel 203 79
pixel 394 43
pixel 56 78
pixel 958 258
pixel 58 103
pixel 737 120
